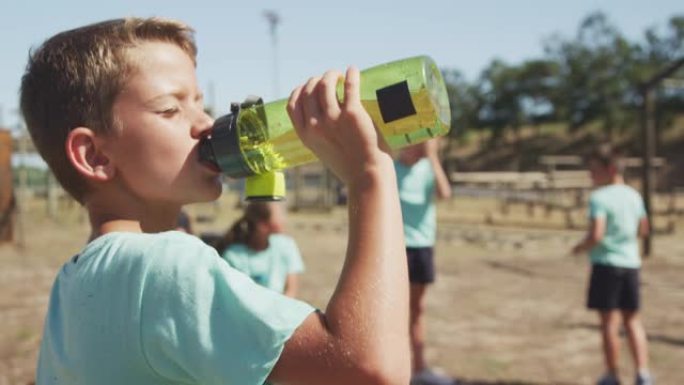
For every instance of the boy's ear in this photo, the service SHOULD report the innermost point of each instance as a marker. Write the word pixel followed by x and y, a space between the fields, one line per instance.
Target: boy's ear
pixel 86 155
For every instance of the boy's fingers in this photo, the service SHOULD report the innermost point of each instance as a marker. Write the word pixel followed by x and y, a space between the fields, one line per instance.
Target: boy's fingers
pixel 328 95
pixel 294 108
pixel 351 87
pixel 312 111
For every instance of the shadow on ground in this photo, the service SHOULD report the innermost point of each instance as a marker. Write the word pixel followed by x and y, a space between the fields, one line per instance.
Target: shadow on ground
pixel 657 338
pixel 465 381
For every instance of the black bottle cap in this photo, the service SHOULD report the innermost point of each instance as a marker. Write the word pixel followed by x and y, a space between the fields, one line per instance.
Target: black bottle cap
pixel 222 147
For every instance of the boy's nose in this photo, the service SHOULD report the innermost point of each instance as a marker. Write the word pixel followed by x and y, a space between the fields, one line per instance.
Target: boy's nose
pixel 201 125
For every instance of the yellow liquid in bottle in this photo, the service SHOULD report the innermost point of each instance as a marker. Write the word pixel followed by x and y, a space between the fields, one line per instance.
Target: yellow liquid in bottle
pixel 276 148
pixel 423 125
pixel 412 95
pixel 269 142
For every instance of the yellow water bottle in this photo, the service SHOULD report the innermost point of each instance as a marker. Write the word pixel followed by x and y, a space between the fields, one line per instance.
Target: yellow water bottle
pixel 407 100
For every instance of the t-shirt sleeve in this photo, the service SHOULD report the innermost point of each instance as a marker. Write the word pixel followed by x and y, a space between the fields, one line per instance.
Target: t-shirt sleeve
pixel 597 209
pixel 234 257
pixel 204 322
pixel 293 257
pixel 641 208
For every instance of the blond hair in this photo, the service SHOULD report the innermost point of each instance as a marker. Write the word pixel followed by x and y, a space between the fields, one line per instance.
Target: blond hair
pixel 73 78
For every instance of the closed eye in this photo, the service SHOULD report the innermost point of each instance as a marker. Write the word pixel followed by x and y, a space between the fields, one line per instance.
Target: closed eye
pixel 168 112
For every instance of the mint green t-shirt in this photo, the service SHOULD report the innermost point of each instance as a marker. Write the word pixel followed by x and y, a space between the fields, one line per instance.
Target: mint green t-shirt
pixel 416 194
pixel 161 309
pixel 622 208
pixel 269 267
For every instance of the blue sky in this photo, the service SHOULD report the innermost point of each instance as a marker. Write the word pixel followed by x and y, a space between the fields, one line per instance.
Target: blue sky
pixel 236 55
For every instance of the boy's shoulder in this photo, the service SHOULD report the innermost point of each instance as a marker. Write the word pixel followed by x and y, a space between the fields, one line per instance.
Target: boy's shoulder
pixel 615 191
pixel 166 248
pixel 150 239
pixel 281 239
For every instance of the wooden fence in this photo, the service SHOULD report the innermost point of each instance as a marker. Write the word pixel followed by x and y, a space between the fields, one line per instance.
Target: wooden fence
pixel 564 191
pixel 7 203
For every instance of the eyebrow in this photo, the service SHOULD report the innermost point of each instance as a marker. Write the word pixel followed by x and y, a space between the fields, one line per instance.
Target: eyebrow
pixel 175 95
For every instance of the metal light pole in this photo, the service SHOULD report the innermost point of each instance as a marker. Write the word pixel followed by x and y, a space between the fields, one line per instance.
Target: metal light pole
pixel 648 152
pixel 273 20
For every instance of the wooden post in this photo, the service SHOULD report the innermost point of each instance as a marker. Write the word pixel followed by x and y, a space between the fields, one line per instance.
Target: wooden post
pixel 329 201
pixel 648 132
pixel 297 187
pixel 51 192
pixel 6 189
pixel 21 199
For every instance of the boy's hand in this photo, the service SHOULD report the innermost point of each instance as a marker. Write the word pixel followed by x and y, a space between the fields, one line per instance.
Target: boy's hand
pixel 341 134
pixel 577 250
pixel 580 248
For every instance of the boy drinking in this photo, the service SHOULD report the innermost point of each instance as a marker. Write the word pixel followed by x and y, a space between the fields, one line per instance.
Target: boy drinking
pixel 115 110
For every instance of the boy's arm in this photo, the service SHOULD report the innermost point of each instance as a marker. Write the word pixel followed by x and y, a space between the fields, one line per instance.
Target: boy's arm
pixel 291 285
pixel 442 185
pixel 597 229
pixel 362 338
pixel 644 227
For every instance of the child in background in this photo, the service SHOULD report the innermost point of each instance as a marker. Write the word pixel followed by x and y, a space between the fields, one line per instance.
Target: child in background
pixel 115 110
pixel 255 245
pixel 421 178
pixel 617 219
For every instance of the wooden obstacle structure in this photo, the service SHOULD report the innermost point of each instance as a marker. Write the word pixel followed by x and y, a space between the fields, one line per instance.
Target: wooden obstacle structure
pixel 553 191
pixel 313 187
pixel 7 202
pixel 564 191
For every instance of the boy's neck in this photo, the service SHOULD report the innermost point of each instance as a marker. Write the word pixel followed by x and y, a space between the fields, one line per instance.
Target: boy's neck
pixel 107 216
pixel 409 161
pixel 99 228
pixel 258 242
pixel 615 179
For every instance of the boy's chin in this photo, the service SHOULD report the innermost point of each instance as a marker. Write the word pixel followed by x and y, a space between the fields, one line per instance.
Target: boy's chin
pixel 212 195
pixel 207 197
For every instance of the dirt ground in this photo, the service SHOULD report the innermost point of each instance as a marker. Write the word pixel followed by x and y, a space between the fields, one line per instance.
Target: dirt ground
pixel 507 307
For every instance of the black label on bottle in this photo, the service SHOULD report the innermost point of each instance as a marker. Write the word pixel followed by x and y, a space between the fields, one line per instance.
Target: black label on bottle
pixel 395 102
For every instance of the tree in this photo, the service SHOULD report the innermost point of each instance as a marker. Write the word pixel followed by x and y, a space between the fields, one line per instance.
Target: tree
pixel 593 70
pixel 464 100
pixel 502 107
pixel 538 82
pixel 594 76
pixel 659 51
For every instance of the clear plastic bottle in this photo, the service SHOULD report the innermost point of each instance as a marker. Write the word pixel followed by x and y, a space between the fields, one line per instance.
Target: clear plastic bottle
pixel 407 100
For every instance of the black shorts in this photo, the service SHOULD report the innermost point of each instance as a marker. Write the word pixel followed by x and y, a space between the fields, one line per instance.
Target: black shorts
pixel 613 288
pixel 421 266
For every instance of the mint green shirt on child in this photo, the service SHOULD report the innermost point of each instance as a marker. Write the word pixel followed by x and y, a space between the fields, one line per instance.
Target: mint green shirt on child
pixel 417 193
pixel 161 309
pixel 622 208
pixel 269 267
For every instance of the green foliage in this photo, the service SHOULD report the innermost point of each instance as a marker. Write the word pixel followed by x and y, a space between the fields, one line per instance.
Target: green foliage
pixel 464 101
pixel 595 76
pixel 35 177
